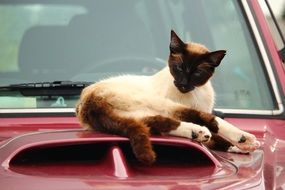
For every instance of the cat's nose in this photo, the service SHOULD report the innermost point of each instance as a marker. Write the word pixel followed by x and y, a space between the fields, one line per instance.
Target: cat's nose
pixel 184 82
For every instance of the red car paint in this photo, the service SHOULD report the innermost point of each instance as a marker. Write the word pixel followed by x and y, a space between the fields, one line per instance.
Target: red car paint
pixel 264 30
pixel 262 169
pixel 214 172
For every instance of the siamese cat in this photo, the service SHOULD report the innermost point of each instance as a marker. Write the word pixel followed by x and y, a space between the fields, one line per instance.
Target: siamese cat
pixel 178 101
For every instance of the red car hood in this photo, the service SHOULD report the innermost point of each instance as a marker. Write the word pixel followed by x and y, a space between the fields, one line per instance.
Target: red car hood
pixel 62 156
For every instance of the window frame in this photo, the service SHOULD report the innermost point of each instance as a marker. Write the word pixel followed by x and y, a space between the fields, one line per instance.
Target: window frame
pixel 252 25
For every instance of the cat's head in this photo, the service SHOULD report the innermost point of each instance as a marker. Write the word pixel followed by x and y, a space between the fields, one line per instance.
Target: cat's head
pixel 191 64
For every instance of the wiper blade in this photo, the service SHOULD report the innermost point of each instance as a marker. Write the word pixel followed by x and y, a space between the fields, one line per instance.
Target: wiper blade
pixel 56 88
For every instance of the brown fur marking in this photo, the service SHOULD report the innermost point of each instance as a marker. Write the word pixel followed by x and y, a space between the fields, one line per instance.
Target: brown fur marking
pixel 159 124
pixel 197 117
pixel 218 143
pixel 98 115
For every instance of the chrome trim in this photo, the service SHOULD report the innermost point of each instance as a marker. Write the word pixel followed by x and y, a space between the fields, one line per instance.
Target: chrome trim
pixel 248 112
pixel 38 110
pixel 267 66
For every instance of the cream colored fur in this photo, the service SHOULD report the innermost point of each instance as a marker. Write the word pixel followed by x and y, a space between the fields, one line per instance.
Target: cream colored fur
pixel 151 95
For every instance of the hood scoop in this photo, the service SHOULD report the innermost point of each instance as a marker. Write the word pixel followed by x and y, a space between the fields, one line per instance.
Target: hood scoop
pixel 94 155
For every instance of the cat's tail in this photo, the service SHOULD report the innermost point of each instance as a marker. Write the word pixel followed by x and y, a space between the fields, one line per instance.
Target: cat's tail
pixel 94 112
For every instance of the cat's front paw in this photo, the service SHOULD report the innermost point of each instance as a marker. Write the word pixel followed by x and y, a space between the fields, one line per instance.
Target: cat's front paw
pixel 192 131
pixel 201 134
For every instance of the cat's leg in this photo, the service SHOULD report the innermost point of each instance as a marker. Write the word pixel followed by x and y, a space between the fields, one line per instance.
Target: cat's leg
pixel 243 140
pixel 219 143
pixel 160 125
pixel 98 115
pixel 137 132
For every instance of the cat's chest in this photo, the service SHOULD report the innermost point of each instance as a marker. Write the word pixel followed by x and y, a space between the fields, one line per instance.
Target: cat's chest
pixel 201 98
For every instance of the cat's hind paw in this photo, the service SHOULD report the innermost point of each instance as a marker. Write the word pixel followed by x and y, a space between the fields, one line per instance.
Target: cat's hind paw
pixel 244 141
pixel 247 142
pixel 235 149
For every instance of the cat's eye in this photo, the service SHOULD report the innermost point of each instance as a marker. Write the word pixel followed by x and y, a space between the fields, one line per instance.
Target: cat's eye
pixel 197 73
pixel 179 67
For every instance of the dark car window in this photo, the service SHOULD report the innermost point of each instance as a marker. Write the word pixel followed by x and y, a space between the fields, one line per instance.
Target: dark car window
pixel 89 40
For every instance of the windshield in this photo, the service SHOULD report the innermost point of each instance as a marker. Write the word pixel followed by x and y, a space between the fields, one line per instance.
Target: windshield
pixel 88 40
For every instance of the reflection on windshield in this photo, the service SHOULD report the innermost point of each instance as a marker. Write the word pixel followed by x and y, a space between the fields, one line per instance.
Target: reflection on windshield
pixel 17 20
pixel 88 40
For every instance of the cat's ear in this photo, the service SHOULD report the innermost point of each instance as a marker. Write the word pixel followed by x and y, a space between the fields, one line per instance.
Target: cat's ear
pixel 176 44
pixel 214 58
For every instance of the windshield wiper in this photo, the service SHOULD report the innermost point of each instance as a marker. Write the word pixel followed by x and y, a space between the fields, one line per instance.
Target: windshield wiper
pixel 56 88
